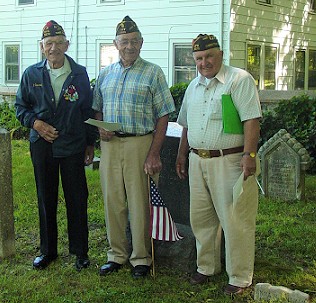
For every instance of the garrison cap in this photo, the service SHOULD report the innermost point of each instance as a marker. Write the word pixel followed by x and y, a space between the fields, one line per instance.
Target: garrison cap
pixel 52 28
pixel 126 26
pixel 203 42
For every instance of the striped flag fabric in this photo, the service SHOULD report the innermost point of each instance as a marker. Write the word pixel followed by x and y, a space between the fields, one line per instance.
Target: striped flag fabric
pixel 162 227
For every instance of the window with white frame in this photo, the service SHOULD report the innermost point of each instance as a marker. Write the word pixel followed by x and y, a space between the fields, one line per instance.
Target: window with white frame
pixel 108 54
pixel 186 0
pixel 267 2
pixel 312 69
pixel 111 2
pixel 184 69
pixel 299 82
pixel 26 2
pixel 261 63
pixel 305 69
pixel 12 63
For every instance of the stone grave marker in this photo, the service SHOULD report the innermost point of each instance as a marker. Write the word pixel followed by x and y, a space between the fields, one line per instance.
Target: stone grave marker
pixel 7 235
pixel 176 195
pixel 175 192
pixel 283 164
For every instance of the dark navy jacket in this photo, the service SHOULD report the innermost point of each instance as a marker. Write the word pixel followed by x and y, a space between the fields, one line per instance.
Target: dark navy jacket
pixel 35 100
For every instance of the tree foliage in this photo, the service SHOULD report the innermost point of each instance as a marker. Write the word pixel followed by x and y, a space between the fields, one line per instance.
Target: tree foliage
pixel 298 117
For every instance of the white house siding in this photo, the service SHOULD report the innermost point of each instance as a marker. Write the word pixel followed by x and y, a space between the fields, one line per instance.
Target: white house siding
pixel 87 23
pixel 285 23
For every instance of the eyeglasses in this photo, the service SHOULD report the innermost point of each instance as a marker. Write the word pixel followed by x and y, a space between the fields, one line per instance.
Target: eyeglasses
pixel 125 42
pixel 49 44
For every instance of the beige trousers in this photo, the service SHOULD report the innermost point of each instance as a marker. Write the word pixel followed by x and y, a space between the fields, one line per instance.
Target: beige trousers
pixel 211 209
pixel 125 192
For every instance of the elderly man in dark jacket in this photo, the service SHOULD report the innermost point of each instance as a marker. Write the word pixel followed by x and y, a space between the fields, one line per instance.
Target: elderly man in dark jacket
pixel 54 100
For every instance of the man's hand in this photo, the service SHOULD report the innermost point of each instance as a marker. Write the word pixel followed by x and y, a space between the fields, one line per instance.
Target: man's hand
pixel 46 131
pixel 182 157
pixel 181 167
pixel 89 155
pixel 248 166
pixel 153 164
pixel 105 135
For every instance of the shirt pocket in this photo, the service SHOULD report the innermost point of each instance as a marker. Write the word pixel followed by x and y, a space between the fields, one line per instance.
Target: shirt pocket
pixel 142 99
pixel 216 110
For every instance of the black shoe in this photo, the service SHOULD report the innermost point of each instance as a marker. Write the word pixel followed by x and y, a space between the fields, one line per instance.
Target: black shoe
pixel 140 271
pixel 82 262
pixel 109 267
pixel 43 261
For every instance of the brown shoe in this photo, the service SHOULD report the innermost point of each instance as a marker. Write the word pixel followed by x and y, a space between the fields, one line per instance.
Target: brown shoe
pixel 233 290
pixel 199 278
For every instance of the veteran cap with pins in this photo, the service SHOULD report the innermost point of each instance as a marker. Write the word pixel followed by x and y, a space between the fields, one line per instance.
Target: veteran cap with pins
pixel 203 42
pixel 52 28
pixel 126 26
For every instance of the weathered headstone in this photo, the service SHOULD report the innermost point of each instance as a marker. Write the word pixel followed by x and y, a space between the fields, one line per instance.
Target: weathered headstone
pixel 268 292
pixel 283 164
pixel 7 236
pixel 176 195
pixel 174 191
pixel 180 255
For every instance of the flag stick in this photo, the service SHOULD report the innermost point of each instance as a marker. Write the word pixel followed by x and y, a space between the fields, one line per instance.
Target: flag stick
pixel 153 273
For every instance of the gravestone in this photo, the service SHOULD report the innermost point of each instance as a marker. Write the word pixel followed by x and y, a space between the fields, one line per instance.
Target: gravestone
pixel 7 236
pixel 268 292
pixel 174 191
pixel 180 254
pixel 283 163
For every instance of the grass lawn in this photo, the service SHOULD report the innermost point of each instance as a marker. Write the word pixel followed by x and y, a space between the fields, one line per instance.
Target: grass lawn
pixel 285 253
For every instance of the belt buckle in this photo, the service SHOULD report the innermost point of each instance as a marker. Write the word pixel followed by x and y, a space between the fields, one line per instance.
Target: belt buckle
pixel 204 153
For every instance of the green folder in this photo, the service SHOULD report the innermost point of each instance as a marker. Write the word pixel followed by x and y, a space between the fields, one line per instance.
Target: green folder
pixel 231 119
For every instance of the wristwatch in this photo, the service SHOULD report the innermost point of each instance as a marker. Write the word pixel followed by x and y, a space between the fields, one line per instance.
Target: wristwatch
pixel 251 154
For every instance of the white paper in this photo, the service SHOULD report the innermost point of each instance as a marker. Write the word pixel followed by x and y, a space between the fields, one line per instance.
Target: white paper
pixel 109 126
pixel 238 189
pixel 174 130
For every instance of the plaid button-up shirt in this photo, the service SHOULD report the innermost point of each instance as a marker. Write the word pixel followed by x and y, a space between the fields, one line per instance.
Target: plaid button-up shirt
pixel 135 96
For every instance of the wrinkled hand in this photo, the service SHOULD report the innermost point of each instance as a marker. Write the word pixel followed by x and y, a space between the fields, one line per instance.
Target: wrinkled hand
pixel 46 131
pixel 89 155
pixel 105 135
pixel 181 167
pixel 248 165
pixel 153 164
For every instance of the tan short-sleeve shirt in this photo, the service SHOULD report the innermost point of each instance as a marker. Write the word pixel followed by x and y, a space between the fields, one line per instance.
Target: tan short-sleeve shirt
pixel 201 110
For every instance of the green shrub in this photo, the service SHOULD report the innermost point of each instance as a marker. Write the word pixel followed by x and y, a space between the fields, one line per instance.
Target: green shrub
pixel 9 122
pixel 298 117
pixel 177 92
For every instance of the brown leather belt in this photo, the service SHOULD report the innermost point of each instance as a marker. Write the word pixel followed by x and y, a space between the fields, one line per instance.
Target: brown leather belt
pixel 125 135
pixel 205 153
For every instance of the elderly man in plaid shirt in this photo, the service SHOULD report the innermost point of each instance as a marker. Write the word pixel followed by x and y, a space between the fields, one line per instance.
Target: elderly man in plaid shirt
pixel 134 93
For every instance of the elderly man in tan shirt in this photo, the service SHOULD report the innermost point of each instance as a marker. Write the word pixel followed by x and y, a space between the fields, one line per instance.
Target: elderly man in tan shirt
pixel 216 161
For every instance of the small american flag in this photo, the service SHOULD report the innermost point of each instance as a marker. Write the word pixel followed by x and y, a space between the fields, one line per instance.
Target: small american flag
pixel 162 226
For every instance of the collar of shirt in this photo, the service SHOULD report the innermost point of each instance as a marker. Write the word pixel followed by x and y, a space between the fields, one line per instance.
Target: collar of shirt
pixel 59 71
pixel 136 62
pixel 220 76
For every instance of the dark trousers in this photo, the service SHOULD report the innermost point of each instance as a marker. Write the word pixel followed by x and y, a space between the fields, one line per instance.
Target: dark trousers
pixel 74 184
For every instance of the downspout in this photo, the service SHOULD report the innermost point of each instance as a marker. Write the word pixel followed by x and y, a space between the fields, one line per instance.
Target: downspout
pixel 221 20
pixel 76 44
pixel 86 42
pixel 226 47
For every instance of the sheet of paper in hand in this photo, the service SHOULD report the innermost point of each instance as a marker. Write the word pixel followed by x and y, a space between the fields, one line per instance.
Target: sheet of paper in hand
pixel 109 126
